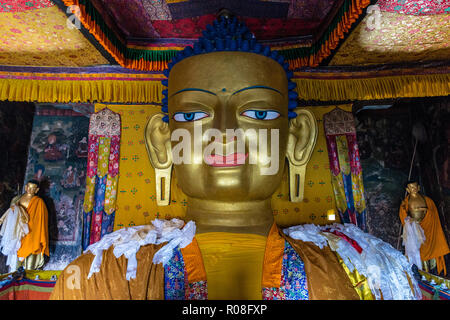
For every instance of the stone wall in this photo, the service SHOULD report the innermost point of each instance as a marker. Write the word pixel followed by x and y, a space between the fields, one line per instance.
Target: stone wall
pixel 16 120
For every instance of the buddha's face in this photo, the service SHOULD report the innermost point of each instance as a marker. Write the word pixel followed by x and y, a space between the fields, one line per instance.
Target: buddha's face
pixel 230 90
pixel 31 188
pixel 413 188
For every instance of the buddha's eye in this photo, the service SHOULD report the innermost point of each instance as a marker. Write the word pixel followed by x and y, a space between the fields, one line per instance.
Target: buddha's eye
pixel 189 116
pixel 261 115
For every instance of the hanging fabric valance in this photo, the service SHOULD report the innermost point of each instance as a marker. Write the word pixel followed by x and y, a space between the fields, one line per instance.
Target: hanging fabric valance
pixel 119 85
pixel 347 85
pixel 92 84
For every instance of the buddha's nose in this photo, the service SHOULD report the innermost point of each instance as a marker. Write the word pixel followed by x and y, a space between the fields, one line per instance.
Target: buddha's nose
pixel 226 120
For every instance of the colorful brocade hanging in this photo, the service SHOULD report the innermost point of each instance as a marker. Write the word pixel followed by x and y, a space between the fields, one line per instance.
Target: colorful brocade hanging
pixel 102 176
pixel 345 167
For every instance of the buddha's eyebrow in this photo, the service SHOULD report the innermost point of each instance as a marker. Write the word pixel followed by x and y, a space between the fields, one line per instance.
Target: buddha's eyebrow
pixel 193 89
pixel 257 87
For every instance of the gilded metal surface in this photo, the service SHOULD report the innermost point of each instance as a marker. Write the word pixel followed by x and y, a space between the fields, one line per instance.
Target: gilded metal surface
pixel 417 205
pixel 31 189
pixel 224 88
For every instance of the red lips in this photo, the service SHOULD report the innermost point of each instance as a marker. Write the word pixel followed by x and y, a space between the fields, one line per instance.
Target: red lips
pixel 231 160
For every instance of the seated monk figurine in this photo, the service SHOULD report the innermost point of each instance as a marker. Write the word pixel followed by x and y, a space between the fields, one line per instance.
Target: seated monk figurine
pixel 229 247
pixel 32 211
pixel 423 210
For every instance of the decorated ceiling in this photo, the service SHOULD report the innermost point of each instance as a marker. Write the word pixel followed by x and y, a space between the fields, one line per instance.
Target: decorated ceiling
pixel 145 34
pixel 35 33
pixel 338 50
pixel 148 20
pixel 399 31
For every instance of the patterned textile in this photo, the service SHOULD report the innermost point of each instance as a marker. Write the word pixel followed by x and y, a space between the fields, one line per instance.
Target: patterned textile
pixel 415 7
pixel 57 157
pixel 305 8
pixel 41 38
pixel 157 9
pixel 131 17
pixel 252 8
pixel 263 28
pixel 174 277
pixel 184 19
pixel 345 167
pixel 388 37
pixel 176 286
pixel 197 291
pixel 23 5
pixel 102 176
pixel 136 199
pixel 174 35
pixel 27 289
pixel 293 279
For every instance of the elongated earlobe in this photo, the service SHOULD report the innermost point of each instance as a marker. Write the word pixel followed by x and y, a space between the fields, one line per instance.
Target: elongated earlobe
pixel 157 142
pixel 301 142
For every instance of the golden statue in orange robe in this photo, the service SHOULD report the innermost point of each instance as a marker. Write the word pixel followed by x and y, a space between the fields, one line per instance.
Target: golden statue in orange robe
pixel 34 244
pixel 423 210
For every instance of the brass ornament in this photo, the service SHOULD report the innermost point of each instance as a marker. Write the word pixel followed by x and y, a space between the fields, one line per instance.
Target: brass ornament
pixel 417 205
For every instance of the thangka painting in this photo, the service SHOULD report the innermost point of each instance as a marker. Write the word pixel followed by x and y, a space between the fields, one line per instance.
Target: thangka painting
pixel 58 159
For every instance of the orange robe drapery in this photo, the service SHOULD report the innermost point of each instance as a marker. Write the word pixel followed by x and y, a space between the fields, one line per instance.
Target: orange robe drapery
pixel 435 245
pixel 36 241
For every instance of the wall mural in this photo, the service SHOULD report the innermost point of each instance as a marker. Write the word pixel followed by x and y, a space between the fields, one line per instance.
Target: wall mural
pixel 58 158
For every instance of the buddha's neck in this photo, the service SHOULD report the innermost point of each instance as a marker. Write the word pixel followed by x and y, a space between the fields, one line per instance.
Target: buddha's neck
pixel 239 217
pixel 27 195
pixel 414 195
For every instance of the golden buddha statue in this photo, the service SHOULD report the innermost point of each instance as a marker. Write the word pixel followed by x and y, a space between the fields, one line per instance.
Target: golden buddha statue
pixel 220 104
pixel 417 205
pixel 32 212
pixel 422 210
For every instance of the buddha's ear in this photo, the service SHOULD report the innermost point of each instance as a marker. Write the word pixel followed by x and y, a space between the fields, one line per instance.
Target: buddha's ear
pixel 157 141
pixel 301 142
pixel 159 150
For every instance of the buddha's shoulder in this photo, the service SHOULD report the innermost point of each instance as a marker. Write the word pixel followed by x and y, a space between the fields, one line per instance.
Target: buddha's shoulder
pixel 87 257
pixel 149 244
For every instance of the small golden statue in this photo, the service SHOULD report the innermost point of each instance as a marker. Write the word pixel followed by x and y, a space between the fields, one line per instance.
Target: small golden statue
pixel 28 221
pixel 422 209
pixel 417 204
